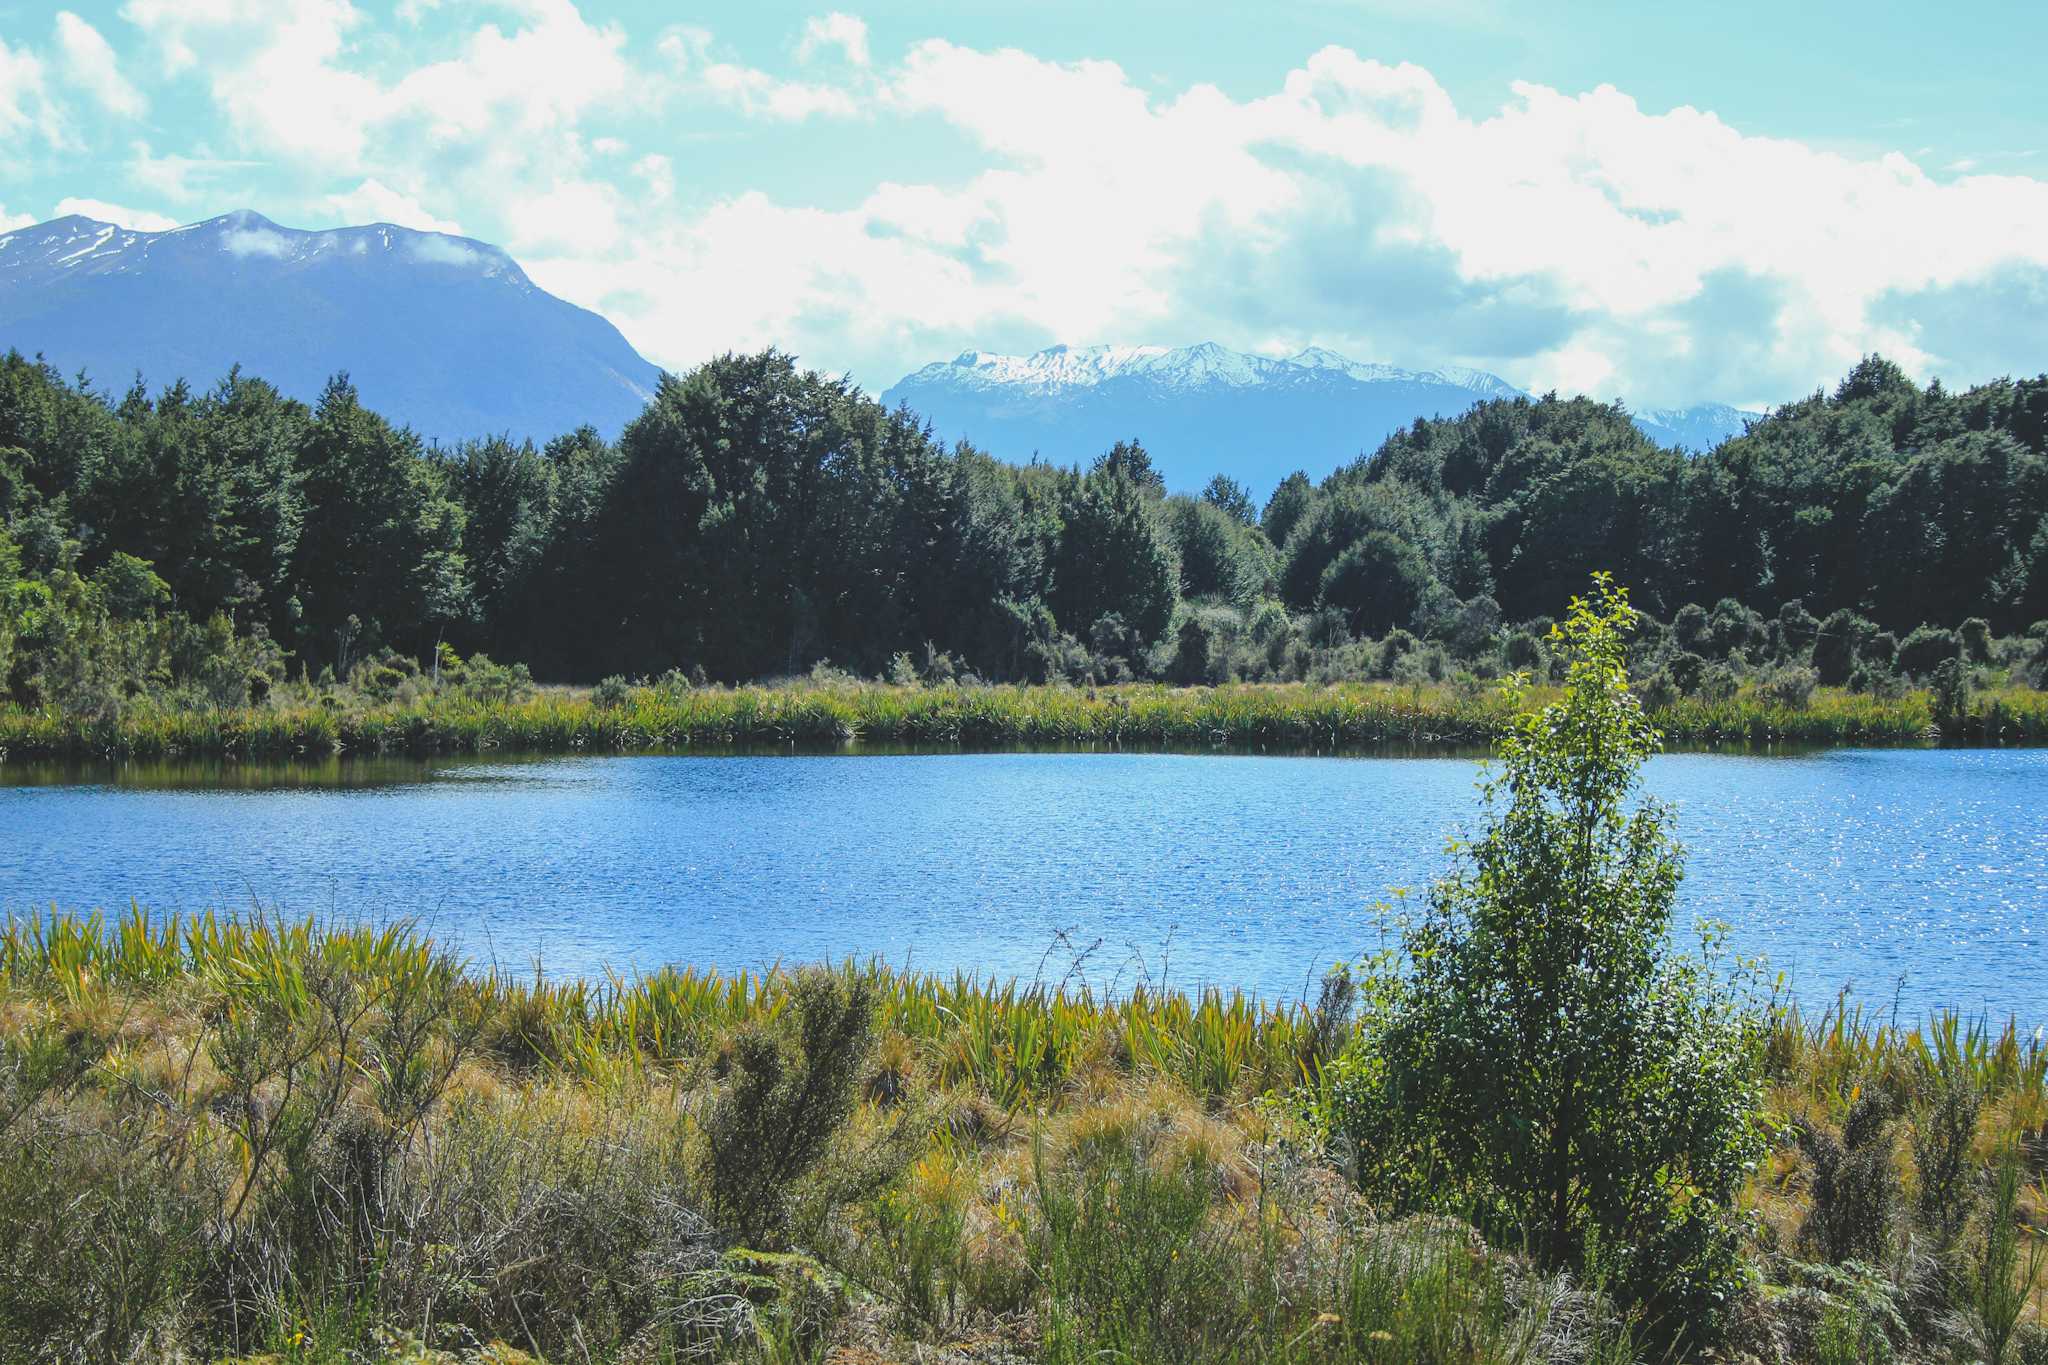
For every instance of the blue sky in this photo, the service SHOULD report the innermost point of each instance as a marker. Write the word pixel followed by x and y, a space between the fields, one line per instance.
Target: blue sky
pixel 1657 203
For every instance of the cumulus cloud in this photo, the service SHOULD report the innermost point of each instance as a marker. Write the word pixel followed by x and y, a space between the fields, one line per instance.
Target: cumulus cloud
pixel 1567 239
pixel 10 221
pixel 25 105
pixel 843 32
pixel 92 66
pixel 375 202
pixel 140 220
pixel 749 89
pixel 1575 241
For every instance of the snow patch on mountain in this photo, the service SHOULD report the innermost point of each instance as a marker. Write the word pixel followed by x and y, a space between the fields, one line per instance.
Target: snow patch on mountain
pixel 1208 365
pixel 443 333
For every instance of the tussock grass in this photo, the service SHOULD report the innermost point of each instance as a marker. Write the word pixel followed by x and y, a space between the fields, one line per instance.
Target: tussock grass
pixel 297 1141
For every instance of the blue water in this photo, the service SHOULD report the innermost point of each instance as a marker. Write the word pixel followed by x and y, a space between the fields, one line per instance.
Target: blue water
pixel 1916 876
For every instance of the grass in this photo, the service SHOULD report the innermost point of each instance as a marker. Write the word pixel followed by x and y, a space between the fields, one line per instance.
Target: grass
pixel 1250 718
pixel 296 1141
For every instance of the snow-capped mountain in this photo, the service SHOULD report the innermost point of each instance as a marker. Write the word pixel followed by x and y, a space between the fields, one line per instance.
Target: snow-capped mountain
pixel 1699 427
pixel 1198 409
pixel 1201 409
pixel 442 333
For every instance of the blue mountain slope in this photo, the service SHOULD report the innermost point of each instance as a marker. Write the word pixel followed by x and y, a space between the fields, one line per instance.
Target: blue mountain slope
pixel 442 333
pixel 1204 409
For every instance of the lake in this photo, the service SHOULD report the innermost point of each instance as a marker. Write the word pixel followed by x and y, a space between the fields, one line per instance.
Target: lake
pixel 1919 876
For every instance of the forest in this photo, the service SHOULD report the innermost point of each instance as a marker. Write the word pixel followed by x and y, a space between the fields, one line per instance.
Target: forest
pixel 184 549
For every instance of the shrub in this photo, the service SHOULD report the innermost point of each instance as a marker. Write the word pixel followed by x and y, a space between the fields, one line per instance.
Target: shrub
pixel 1855 1195
pixel 1941 1147
pixel 1952 685
pixel 1877 681
pixel 1719 683
pixel 1543 1015
pixel 1791 686
pixel 1925 648
pixel 1975 638
pixel 611 693
pixel 1838 645
pixel 1687 670
pixel 2005 1279
pixel 789 1090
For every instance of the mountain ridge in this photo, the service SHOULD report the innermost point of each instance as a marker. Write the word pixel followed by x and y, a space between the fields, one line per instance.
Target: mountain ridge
pixel 446 334
pixel 1204 408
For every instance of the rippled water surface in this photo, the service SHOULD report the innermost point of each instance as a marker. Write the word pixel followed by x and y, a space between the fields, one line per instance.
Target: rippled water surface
pixel 1915 875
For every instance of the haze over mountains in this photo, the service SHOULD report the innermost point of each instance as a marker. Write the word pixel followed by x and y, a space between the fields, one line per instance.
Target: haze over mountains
pixel 442 333
pixel 1204 408
pixel 449 336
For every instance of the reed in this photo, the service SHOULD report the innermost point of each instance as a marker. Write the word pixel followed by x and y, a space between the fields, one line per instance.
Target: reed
pixel 1240 718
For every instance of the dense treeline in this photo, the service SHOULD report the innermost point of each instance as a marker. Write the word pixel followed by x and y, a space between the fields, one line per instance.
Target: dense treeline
pixel 758 520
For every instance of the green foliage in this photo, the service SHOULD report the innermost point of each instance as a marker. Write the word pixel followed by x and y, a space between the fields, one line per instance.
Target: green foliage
pixel 2005 1277
pixel 1377 583
pixel 1942 1139
pixel 1112 557
pixel 789 1090
pixel 1583 1086
pixel 325 1143
pixel 757 518
pixel 1855 1197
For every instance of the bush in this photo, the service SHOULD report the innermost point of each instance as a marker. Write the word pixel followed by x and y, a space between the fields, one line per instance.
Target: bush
pixel 1687 671
pixel 1952 684
pixel 1542 1015
pixel 2005 1277
pixel 1877 681
pixel 1855 1195
pixel 1925 648
pixel 1941 1147
pixel 1881 650
pixel 611 693
pixel 1975 638
pixel 1791 686
pixel 789 1090
pixel 1839 645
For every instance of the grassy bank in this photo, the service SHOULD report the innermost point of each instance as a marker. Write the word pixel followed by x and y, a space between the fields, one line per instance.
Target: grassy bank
pixel 1293 718
pixel 295 1142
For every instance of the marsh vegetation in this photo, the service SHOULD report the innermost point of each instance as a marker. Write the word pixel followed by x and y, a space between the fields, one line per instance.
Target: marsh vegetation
pixel 1534 1130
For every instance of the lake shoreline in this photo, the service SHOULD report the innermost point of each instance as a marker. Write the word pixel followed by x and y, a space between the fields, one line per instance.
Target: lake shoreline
pixel 1292 719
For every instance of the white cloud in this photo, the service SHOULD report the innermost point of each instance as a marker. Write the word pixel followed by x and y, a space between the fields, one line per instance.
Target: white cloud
pixel 10 221
pixel 658 174
pixel 442 251
pixel 140 220
pixel 1575 241
pixel 748 89
pixel 1563 239
pixel 835 30
pixel 375 202
pixel 91 64
pixel 275 70
pixel 256 241
pixel 25 105
pixel 175 176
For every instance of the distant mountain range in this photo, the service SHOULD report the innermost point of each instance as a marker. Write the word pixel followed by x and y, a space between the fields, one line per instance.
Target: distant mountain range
pixel 442 333
pixel 1200 409
pixel 449 336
